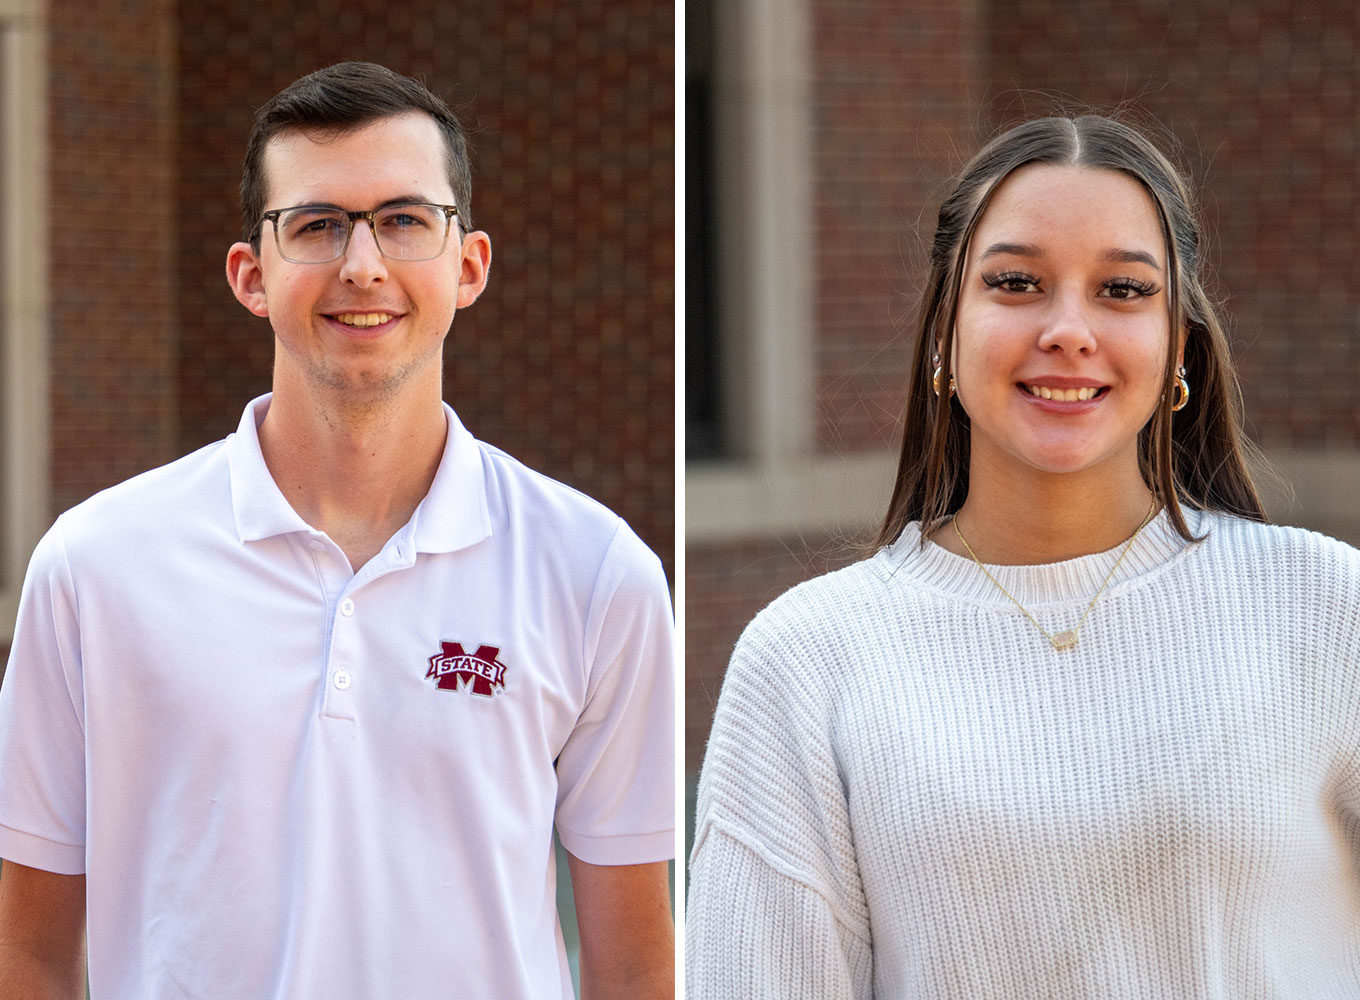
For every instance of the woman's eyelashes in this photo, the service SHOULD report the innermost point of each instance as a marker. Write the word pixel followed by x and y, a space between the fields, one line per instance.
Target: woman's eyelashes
pixel 1129 288
pixel 1011 281
pixel 1018 283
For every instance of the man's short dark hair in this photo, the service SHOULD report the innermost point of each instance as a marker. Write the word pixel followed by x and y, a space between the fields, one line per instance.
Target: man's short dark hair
pixel 340 99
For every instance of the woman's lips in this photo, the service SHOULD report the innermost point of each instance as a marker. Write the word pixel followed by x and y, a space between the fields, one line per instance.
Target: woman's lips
pixel 1076 397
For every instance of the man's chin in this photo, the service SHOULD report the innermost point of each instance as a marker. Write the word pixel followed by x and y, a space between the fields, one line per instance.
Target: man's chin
pixel 365 383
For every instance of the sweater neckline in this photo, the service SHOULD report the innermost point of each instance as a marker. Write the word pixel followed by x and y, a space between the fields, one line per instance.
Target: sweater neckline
pixel 1036 585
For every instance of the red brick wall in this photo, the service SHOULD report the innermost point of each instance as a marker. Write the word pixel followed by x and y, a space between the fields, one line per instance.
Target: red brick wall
pixel 891 92
pixel 111 165
pixel 566 361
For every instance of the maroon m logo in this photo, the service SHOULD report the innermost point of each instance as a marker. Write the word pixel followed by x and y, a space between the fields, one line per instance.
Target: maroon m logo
pixel 454 668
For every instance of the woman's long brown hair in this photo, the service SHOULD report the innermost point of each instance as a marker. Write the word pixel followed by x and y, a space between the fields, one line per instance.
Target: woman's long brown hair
pixel 1197 456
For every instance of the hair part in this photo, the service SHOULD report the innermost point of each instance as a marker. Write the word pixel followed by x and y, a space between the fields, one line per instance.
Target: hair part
pixel 341 99
pixel 1197 457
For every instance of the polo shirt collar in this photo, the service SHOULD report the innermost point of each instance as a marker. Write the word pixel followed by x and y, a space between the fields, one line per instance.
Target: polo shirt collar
pixel 453 515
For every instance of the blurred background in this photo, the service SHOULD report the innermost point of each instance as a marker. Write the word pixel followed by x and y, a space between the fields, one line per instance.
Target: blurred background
pixel 122 128
pixel 820 139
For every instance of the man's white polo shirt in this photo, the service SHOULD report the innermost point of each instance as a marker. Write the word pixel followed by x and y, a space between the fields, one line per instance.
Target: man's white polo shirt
pixel 284 779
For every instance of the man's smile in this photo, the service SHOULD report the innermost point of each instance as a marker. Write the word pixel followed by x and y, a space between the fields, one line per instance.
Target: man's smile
pixel 363 319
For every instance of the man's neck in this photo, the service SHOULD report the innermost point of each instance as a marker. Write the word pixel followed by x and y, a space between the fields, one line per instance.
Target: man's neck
pixel 356 470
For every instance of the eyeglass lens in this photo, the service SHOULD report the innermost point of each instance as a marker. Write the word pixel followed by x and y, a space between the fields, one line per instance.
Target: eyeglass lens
pixel 403 232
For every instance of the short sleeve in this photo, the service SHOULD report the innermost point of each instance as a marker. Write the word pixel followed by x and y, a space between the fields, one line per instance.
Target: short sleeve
pixel 616 772
pixel 776 908
pixel 42 724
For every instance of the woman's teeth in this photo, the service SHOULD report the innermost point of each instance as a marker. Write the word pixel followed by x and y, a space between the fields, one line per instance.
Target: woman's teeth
pixel 1063 395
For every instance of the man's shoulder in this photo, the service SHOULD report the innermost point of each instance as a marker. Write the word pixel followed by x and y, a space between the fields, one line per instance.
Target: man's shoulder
pixel 517 492
pixel 560 524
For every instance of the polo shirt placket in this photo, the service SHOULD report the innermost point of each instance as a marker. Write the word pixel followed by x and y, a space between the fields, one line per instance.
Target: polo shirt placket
pixel 340 666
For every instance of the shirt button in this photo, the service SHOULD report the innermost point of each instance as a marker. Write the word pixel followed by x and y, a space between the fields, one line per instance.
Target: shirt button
pixel 342 680
pixel 347 607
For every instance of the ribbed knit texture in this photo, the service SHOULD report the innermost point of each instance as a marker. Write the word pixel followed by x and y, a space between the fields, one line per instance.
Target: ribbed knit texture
pixel 909 794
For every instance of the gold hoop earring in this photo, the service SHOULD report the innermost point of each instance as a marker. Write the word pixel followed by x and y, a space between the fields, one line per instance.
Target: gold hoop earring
pixel 935 381
pixel 1183 394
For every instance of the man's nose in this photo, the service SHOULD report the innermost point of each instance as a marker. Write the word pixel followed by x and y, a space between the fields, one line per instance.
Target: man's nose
pixel 363 263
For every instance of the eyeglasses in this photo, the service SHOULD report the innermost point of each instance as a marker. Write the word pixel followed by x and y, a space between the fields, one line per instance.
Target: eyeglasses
pixel 314 234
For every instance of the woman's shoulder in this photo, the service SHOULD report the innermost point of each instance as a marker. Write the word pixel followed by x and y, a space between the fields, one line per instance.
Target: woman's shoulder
pixel 822 608
pixel 1295 571
pixel 1277 546
pixel 817 637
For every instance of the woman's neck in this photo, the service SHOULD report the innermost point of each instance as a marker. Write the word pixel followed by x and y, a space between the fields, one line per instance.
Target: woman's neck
pixel 1046 518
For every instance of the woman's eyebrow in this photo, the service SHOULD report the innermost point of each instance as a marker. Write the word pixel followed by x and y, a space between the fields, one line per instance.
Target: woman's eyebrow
pixel 1014 249
pixel 1116 256
pixel 1132 257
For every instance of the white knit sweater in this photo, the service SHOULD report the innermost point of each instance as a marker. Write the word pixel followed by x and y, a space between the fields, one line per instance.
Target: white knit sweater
pixel 909 794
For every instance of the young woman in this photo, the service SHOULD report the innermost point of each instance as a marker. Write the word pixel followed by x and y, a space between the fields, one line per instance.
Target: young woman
pixel 1085 726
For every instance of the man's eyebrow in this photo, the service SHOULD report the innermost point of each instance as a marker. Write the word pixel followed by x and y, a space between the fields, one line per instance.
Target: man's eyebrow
pixel 409 199
pixel 404 199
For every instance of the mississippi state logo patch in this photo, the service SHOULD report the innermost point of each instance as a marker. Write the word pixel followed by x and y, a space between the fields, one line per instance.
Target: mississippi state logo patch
pixel 453 668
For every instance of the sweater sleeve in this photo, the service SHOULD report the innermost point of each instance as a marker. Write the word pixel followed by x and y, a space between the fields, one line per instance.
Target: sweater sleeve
pixel 1341 611
pixel 758 930
pixel 776 908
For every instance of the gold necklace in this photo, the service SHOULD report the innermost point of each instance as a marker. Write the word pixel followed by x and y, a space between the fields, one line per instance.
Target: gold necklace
pixel 1067 638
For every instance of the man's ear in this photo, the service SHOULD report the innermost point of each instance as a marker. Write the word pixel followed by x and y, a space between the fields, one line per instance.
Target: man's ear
pixel 246 278
pixel 476 265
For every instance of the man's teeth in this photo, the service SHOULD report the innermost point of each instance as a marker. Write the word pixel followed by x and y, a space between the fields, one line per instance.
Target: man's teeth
pixel 363 319
pixel 1063 395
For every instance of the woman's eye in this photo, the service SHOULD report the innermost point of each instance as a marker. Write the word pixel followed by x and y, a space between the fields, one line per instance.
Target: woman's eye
pixel 1129 288
pixel 1012 281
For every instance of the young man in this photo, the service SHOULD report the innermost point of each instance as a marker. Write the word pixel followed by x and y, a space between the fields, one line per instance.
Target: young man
pixel 296 715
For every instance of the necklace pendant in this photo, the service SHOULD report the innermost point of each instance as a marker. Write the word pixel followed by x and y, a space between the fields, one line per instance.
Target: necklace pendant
pixel 1064 640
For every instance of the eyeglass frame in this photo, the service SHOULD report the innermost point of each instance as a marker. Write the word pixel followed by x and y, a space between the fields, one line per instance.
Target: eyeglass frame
pixel 371 218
